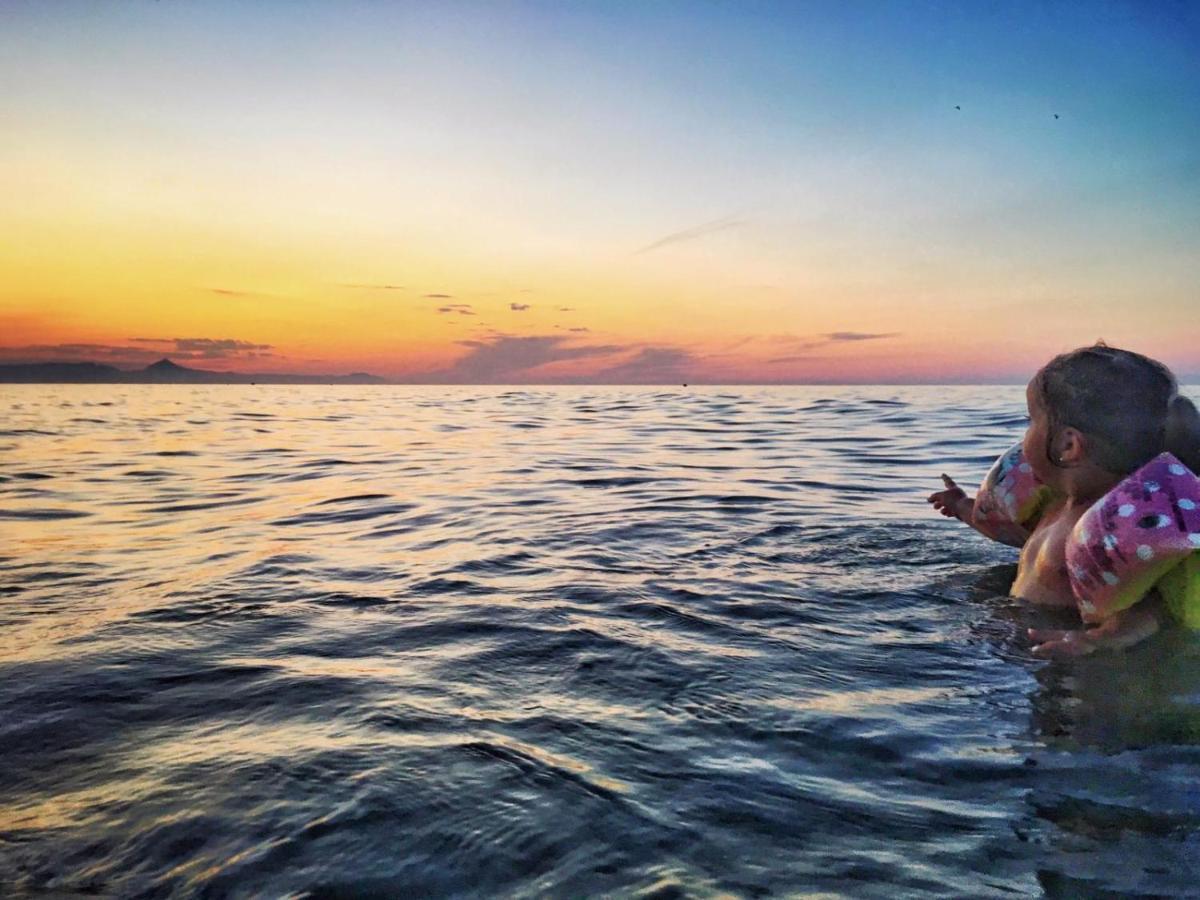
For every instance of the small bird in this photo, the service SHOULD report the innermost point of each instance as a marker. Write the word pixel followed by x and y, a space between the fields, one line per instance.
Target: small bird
pixel 1056 115
pixel 958 107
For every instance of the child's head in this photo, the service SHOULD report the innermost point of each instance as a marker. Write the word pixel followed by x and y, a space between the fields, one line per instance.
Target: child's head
pixel 1121 407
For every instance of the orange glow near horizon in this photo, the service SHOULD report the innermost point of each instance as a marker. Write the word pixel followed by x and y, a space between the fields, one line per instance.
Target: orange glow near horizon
pixel 500 221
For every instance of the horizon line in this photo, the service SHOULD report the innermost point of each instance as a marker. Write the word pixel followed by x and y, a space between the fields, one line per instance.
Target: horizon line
pixel 1188 379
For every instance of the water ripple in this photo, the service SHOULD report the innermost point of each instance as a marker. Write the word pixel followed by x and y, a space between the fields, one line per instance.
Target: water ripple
pixel 552 642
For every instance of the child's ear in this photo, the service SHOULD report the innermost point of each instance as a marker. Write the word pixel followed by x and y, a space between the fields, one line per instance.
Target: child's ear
pixel 1072 447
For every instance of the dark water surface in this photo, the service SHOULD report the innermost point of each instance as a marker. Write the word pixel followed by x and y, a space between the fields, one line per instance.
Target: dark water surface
pixel 324 642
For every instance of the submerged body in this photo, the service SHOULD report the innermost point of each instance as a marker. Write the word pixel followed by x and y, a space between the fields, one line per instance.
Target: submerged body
pixel 1096 416
pixel 1042 575
pixel 1043 578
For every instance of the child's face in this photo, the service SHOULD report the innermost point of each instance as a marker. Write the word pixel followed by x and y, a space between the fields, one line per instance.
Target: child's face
pixel 1036 434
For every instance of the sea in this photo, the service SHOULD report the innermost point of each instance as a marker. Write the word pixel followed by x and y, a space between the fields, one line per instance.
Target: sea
pixel 662 642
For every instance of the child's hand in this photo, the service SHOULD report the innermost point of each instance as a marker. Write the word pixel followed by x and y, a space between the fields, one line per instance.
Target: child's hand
pixel 1118 631
pixel 953 501
pixel 1052 643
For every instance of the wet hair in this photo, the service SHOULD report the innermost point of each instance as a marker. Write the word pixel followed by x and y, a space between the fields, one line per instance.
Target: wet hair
pixel 1127 406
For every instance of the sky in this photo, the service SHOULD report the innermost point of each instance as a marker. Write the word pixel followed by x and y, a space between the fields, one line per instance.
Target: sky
pixel 607 192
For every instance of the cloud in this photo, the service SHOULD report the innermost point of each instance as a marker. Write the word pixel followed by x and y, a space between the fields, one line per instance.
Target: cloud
pixel 226 292
pixel 857 335
pixel 691 234
pixel 208 348
pixel 793 348
pixel 79 352
pixel 754 346
pixel 495 357
pixel 518 307
pixel 220 348
pixel 462 309
pixel 439 296
pixel 650 365
pixel 179 349
pixel 512 359
pixel 372 287
pixel 566 309
pixel 795 357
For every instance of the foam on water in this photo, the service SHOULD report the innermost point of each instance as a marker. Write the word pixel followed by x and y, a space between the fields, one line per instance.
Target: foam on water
pixel 424 641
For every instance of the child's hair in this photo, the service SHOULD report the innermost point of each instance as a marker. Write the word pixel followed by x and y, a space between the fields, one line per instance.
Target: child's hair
pixel 1126 404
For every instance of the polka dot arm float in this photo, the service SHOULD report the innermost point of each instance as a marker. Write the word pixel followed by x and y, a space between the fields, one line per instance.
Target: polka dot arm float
pixel 1142 534
pixel 1010 495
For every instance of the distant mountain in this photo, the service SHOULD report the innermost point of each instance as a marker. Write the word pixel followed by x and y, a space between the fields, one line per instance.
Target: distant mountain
pixel 165 370
pixel 60 372
pixel 162 372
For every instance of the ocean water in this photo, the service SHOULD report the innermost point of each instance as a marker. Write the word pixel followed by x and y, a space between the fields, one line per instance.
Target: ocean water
pixel 392 641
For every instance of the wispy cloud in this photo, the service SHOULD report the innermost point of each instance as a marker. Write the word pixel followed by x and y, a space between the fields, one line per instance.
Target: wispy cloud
pixel 796 348
pixel 462 309
pixel 438 296
pixel 858 335
pixel 538 359
pixel 513 359
pixel 209 348
pixel 793 358
pixel 227 292
pixel 650 365
pixel 79 352
pixel 691 234
pixel 146 350
pixel 372 287
pixel 779 349
pixel 518 307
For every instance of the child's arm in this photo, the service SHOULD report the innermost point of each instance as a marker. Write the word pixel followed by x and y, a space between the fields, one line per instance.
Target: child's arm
pixel 1121 630
pixel 954 503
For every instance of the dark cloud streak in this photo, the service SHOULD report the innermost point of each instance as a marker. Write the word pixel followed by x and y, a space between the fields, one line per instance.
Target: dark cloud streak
pixel 650 365
pixel 858 335
pixel 691 234
pixel 511 359
pixel 179 349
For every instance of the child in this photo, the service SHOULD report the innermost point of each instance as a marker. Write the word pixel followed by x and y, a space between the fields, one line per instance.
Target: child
pixel 1096 415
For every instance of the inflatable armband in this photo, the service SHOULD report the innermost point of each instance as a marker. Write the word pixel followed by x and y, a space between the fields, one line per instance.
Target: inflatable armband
pixel 1180 587
pixel 1144 532
pixel 1010 495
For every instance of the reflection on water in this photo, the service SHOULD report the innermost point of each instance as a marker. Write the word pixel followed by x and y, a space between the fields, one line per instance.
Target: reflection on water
pixel 409 641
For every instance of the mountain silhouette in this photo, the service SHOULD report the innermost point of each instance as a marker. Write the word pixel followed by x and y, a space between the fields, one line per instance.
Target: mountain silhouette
pixel 165 371
pixel 165 365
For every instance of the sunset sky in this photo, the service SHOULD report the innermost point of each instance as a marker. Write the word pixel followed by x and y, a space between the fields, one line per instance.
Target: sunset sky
pixel 600 192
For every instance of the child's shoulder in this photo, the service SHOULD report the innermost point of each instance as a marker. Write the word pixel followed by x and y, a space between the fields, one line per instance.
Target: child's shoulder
pixel 1055 512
